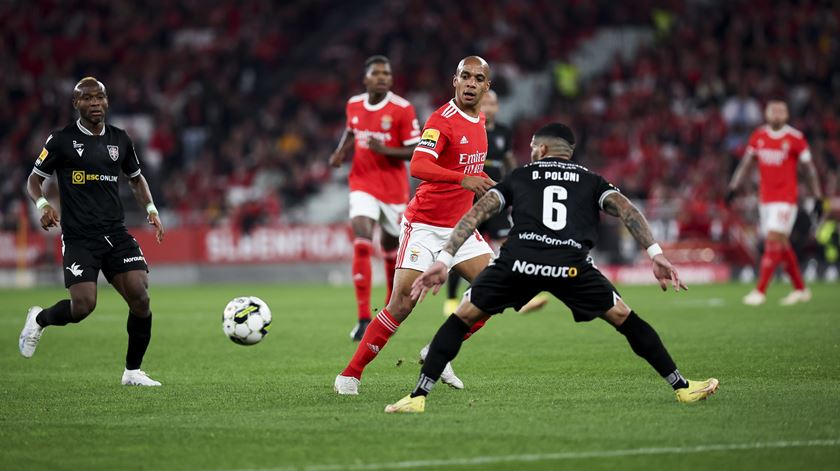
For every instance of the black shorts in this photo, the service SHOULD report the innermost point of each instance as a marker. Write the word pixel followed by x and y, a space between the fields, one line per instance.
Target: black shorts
pixel 497 227
pixel 509 282
pixel 113 254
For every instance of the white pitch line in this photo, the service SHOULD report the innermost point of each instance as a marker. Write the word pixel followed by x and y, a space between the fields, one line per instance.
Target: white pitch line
pixel 571 455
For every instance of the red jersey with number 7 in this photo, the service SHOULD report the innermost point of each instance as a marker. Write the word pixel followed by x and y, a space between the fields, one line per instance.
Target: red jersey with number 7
pixel 778 154
pixel 393 122
pixel 458 142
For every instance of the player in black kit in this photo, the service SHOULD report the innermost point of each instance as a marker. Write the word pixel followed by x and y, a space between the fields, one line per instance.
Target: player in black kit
pixel 87 157
pixel 556 205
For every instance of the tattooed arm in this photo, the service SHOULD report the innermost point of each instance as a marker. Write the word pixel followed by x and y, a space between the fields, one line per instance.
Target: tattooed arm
pixel 616 204
pixel 436 275
pixel 487 207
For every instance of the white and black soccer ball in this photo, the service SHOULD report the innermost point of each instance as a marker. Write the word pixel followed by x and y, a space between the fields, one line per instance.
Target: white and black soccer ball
pixel 246 320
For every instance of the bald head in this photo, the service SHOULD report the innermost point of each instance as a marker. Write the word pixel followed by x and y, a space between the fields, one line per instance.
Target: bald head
pixel 88 84
pixel 474 61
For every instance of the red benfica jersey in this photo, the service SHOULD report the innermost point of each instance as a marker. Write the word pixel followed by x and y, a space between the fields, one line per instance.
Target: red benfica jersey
pixel 393 122
pixel 458 142
pixel 778 154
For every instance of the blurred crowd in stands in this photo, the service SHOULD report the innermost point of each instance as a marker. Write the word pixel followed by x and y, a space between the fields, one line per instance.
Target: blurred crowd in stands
pixel 237 104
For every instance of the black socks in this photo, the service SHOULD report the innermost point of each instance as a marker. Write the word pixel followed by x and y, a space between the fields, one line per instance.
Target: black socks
pixel 139 334
pixel 443 349
pixel 452 285
pixel 58 314
pixel 646 343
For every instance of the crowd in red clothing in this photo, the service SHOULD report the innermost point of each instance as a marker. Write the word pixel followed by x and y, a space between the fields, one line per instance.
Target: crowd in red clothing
pixel 238 104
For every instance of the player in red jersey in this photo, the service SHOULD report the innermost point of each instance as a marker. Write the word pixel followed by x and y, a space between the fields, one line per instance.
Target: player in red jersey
pixel 382 128
pixel 450 160
pixel 779 150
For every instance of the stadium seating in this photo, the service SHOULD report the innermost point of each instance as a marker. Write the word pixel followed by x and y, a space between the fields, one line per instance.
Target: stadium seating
pixel 243 101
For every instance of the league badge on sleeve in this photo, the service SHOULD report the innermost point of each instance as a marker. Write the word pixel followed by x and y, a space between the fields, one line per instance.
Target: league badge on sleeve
pixel 430 138
pixel 42 156
pixel 114 152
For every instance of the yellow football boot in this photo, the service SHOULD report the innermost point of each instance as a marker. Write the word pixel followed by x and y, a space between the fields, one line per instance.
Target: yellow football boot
pixel 697 390
pixel 407 405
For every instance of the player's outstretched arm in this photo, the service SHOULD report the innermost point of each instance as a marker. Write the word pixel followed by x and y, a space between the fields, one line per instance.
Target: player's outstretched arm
pixel 49 216
pixel 616 204
pixel 143 195
pixel 740 173
pixel 344 146
pixel 437 274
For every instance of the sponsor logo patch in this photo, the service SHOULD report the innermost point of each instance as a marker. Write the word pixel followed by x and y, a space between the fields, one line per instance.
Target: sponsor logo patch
pixel 430 138
pixel 79 177
pixel 42 156
pixel 529 268
pixel 138 258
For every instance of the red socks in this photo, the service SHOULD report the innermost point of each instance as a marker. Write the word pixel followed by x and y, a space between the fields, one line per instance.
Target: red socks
pixel 773 255
pixel 776 252
pixel 792 268
pixel 376 336
pixel 362 249
pixel 390 268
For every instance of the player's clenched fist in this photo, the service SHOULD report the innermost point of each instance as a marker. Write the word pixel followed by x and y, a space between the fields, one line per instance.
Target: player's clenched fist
pixel 49 217
pixel 478 185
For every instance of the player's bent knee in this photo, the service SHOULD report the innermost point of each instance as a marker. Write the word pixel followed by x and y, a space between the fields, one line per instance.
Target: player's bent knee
pixel 617 314
pixel 139 305
pixel 469 313
pixel 400 306
pixel 81 308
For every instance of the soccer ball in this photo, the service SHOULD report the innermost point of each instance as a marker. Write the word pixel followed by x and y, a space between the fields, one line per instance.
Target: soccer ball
pixel 246 320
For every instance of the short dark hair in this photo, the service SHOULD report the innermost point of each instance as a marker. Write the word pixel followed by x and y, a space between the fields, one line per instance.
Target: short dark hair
pixel 557 131
pixel 377 59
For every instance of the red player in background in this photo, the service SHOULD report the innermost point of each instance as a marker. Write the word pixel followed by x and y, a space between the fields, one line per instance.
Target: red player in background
pixel 780 150
pixel 382 128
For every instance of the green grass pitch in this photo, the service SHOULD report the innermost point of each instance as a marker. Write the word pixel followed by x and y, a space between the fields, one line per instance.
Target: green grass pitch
pixel 541 391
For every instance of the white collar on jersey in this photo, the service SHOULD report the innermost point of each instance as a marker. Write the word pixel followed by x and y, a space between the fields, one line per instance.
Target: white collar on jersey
pixel 777 134
pixel 377 106
pixel 85 130
pixel 465 115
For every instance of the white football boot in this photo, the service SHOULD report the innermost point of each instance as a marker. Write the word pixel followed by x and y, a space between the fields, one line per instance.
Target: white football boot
pixel 796 296
pixel 137 378
pixel 31 333
pixel 448 375
pixel 754 298
pixel 346 385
